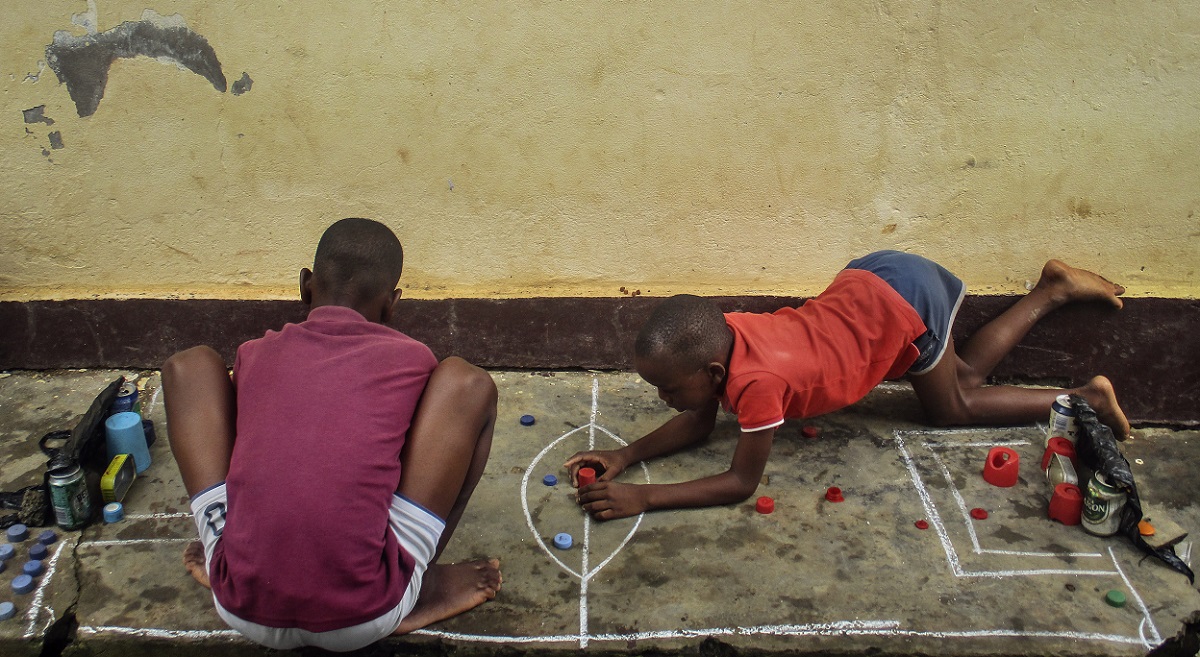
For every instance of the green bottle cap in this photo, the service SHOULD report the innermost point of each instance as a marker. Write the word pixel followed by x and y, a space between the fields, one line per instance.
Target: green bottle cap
pixel 1115 598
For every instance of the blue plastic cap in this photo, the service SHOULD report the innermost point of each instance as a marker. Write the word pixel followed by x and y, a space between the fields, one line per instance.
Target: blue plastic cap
pixel 563 541
pixel 7 610
pixel 550 480
pixel 3 566
pixel 17 533
pixel 113 512
pixel 33 568
pixel 38 551
pixel 7 552
pixel 22 584
pixel 527 420
pixel 47 537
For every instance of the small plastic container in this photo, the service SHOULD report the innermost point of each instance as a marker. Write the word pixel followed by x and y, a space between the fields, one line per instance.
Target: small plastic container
pixel 1002 467
pixel 585 477
pixel 126 436
pixel 1066 505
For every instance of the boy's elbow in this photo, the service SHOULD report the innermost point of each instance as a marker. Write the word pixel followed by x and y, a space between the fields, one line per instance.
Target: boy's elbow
pixel 742 489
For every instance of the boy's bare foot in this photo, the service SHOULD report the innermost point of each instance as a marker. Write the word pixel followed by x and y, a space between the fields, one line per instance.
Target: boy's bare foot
pixel 449 590
pixel 1100 394
pixel 1066 283
pixel 193 561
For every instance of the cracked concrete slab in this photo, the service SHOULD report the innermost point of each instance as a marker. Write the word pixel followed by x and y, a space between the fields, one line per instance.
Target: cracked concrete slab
pixel 814 577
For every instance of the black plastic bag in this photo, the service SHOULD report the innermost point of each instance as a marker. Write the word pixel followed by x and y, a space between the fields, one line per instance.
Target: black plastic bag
pixel 84 446
pixel 1097 449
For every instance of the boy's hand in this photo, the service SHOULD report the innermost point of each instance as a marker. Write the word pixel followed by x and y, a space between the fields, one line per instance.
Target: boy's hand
pixel 607 500
pixel 607 463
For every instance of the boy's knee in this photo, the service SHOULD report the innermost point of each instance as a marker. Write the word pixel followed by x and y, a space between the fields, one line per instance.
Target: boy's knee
pixel 469 381
pixel 947 414
pixel 180 364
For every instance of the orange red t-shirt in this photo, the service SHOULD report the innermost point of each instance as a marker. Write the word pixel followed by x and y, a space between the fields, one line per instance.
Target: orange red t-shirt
pixel 822 356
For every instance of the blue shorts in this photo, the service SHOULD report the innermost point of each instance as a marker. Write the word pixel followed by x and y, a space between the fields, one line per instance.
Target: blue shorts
pixel 932 291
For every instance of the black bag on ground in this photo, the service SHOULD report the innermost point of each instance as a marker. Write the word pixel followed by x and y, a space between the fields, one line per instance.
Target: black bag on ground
pixel 1097 449
pixel 85 445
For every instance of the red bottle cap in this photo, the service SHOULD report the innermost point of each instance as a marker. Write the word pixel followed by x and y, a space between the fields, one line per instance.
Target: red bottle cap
pixel 585 476
pixel 979 514
pixel 921 524
pixel 834 494
pixel 810 431
pixel 764 505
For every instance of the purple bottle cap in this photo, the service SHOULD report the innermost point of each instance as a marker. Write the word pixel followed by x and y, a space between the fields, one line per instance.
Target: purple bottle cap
pixel 22 584
pixel 17 533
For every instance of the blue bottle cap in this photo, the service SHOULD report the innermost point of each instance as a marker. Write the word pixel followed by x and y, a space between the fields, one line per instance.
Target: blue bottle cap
pixel 17 533
pixel 47 537
pixel 113 512
pixel 3 566
pixel 33 568
pixel 550 480
pixel 38 551
pixel 7 552
pixel 22 584
pixel 7 610
pixel 527 420
pixel 563 541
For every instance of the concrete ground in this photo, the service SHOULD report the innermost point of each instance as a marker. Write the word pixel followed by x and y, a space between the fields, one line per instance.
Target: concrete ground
pixel 814 577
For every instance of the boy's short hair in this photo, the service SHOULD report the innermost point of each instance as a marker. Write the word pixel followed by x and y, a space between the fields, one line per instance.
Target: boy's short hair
pixel 685 328
pixel 359 257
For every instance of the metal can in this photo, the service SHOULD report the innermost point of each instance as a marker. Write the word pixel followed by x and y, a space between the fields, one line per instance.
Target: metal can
pixel 1102 506
pixel 69 497
pixel 1060 471
pixel 127 399
pixel 1062 419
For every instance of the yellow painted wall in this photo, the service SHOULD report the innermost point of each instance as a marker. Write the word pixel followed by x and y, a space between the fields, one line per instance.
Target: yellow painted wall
pixel 565 148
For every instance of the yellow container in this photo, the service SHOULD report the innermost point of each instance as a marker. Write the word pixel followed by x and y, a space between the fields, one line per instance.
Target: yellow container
pixel 118 477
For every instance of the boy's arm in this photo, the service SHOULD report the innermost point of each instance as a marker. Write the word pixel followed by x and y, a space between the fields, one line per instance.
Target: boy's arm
pixel 680 431
pixel 607 500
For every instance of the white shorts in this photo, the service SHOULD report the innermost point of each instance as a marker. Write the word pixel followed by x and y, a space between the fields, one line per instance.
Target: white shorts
pixel 416 528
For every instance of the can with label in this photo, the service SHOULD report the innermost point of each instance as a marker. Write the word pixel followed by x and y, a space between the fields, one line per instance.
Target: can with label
pixel 1102 506
pixel 69 497
pixel 127 399
pixel 1062 419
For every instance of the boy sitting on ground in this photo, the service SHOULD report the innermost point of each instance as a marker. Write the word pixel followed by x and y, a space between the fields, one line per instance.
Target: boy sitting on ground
pixel 887 315
pixel 328 475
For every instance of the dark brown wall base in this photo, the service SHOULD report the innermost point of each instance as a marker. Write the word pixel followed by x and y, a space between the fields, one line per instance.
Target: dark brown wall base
pixel 1149 349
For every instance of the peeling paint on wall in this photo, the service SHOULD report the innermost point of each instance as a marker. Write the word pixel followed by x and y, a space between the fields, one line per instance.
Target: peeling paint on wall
pixel 37 115
pixel 83 62
pixel 242 85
